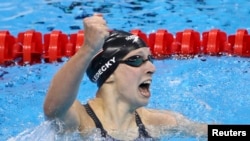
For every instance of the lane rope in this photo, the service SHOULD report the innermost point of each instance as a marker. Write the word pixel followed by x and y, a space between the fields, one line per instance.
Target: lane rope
pixel 31 46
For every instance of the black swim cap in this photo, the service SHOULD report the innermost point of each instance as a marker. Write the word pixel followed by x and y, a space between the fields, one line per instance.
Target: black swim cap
pixel 116 46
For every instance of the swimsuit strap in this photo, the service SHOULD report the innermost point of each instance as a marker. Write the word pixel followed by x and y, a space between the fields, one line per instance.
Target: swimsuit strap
pixel 98 124
pixel 91 113
pixel 142 130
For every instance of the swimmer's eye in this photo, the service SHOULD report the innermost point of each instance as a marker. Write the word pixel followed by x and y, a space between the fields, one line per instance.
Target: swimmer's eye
pixel 136 61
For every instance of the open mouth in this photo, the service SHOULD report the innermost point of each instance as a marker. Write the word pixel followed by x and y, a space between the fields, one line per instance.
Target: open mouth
pixel 144 88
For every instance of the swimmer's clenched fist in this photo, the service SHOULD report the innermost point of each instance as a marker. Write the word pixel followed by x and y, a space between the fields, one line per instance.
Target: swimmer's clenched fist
pixel 96 31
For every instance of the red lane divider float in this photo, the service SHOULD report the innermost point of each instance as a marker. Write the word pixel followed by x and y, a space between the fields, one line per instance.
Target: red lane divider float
pixel 240 43
pixel 188 42
pixel 7 42
pixel 76 40
pixel 32 47
pixel 160 43
pixel 214 42
pixel 55 45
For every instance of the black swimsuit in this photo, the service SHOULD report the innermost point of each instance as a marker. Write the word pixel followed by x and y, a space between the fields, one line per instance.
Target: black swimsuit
pixel 143 134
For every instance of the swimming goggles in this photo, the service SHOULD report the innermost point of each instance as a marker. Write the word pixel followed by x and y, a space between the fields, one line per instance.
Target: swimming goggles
pixel 136 61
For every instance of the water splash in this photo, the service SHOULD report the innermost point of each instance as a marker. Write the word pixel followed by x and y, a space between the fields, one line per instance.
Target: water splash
pixel 45 132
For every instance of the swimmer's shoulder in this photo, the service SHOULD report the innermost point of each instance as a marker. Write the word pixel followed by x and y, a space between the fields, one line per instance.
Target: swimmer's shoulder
pixel 85 121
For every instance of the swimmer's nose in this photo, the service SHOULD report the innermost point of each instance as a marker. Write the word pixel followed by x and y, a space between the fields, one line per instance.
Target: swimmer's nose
pixel 150 67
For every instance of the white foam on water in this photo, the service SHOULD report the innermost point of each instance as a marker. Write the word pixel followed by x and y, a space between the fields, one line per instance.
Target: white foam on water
pixel 46 132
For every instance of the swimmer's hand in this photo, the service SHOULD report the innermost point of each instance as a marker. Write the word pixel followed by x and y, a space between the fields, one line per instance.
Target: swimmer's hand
pixel 95 32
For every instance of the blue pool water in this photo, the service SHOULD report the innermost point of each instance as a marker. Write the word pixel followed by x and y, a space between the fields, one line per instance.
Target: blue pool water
pixel 205 88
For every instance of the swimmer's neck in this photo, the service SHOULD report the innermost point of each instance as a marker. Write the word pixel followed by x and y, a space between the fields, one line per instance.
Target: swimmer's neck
pixel 113 109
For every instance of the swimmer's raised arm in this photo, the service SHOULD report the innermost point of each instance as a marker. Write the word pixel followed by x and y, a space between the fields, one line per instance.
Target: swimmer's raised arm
pixel 65 84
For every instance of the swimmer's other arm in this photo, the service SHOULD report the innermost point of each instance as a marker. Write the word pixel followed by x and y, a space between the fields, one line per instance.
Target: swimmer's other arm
pixel 164 122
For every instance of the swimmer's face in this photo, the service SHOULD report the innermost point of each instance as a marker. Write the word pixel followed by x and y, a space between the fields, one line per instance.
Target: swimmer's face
pixel 133 78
